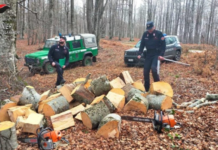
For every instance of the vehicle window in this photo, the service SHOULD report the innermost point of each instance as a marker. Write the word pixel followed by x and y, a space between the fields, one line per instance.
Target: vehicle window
pixel 170 40
pixel 68 45
pixel 50 43
pixel 90 40
pixel 138 44
pixel 76 44
pixel 167 40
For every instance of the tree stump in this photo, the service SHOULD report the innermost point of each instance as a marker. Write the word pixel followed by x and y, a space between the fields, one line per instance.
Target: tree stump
pixel 159 102
pixel 4 105
pixel 29 96
pixel 55 106
pixel 8 136
pixel 109 126
pixel 92 116
pixel 137 103
pixel 160 87
pixel 100 86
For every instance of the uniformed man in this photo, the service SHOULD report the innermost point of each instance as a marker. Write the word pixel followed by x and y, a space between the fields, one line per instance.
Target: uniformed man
pixel 57 54
pixel 154 42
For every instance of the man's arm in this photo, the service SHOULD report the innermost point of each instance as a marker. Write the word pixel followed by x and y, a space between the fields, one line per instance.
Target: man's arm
pixel 162 46
pixel 142 45
pixel 50 53
pixel 67 58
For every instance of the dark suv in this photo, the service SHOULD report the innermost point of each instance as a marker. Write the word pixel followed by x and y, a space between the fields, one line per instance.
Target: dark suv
pixel 173 51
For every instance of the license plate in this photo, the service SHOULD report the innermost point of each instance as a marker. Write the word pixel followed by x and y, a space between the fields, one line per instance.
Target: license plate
pixel 130 60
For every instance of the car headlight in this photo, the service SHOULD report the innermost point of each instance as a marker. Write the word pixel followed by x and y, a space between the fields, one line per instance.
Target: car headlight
pixel 125 53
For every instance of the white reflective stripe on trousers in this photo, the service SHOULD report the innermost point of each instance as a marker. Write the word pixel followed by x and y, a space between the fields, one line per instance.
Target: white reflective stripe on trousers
pixel 158 66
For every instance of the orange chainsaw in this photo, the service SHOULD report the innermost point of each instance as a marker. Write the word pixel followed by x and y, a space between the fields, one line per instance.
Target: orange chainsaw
pixel 159 121
pixel 46 138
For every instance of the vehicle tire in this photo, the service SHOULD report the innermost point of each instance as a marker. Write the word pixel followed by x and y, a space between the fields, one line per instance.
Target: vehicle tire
pixel 87 61
pixel 48 68
pixel 94 59
pixel 177 56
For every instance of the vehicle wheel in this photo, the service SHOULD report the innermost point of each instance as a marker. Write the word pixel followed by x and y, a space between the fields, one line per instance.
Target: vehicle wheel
pixel 177 56
pixel 87 61
pixel 32 71
pixel 94 59
pixel 48 68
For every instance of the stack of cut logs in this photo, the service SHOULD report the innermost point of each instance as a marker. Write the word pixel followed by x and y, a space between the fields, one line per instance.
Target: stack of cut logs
pixel 94 102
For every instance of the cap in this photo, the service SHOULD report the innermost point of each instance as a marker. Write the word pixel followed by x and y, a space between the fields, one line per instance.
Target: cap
pixel 150 25
pixel 3 8
pixel 62 37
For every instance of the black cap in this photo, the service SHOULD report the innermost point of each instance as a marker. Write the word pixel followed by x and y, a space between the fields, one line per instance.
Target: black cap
pixel 63 37
pixel 150 25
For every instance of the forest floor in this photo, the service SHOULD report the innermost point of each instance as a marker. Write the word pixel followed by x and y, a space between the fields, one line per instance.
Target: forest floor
pixel 199 130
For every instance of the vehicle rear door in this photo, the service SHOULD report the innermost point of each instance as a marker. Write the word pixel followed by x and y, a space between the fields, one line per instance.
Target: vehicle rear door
pixel 169 47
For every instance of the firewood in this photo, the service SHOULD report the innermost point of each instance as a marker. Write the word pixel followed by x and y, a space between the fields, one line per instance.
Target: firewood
pixel 100 86
pixel 97 99
pixel 132 92
pixel 78 116
pixel 212 96
pixel 117 83
pixel 80 81
pixel 137 103
pixel 117 100
pixel 64 90
pixel 83 95
pixel 118 91
pixel 109 104
pixel 160 87
pixel 4 105
pixel 77 109
pixel 32 123
pixel 63 120
pixel 43 102
pixel 29 96
pixel 44 95
pixel 139 85
pixel 125 76
pixel 159 102
pixel 126 89
pixel 205 104
pixel 196 103
pixel 17 111
pixel 109 126
pixel 92 116
pixel 15 98
pixel 8 136
pixel 55 106
pixel 75 103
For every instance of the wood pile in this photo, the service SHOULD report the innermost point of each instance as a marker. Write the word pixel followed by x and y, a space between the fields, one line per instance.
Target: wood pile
pixel 95 102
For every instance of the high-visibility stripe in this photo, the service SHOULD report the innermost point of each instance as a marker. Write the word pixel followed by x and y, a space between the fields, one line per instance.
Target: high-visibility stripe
pixel 158 66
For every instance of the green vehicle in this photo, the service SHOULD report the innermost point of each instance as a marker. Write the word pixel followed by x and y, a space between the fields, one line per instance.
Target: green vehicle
pixel 82 47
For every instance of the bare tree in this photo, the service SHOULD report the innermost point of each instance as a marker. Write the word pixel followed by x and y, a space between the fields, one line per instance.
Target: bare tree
pixel 51 12
pixel 72 16
pixel 131 19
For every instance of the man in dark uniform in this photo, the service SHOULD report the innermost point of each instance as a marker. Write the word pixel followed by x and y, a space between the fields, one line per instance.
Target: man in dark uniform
pixel 56 54
pixel 154 42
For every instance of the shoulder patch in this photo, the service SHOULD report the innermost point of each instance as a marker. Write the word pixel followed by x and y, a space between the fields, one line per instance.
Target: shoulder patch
pixel 162 38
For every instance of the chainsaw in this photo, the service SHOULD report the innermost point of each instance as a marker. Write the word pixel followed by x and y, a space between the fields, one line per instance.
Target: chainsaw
pixel 46 138
pixel 159 121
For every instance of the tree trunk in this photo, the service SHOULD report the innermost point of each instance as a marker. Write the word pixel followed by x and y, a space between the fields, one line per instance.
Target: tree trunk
pixel 131 19
pixel 51 12
pixel 137 103
pixel 110 126
pixel 8 136
pixel 4 105
pixel 72 17
pixel 56 106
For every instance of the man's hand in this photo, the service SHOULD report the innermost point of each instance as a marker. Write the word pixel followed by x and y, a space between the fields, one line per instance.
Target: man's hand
pixel 53 64
pixel 161 58
pixel 64 66
pixel 139 56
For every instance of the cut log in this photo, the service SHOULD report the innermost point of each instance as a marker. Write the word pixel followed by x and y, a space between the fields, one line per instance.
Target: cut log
pixel 117 100
pixel 82 95
pixel 211 96
pixel 8 136
pixel 4 105
pixel 77 109
pixel 139 85
pixel 32 123
pixel 15 98
pixel 97 99
pixel 43 102
pixel 45 95
pixel 159 102
pixel 125 76
pixel 80 81
pixel 137 103
pixel 117 83
pixel 56 106
pixel 100 86
pixel 196 103
pixel 92 116
pixel 205 104
pixel 126 89
pixel 78 116
pixel 29 96
pixel 160 87
pixel 75 103
pixel 131 93
pixel 64 90
pixel 109 126
pixel 118 91
pixel 16 111
pixel 62 121
pixel 109 105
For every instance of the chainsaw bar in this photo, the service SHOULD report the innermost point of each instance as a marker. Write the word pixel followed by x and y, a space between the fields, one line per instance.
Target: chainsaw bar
pixel 138 119
pixel 29 140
